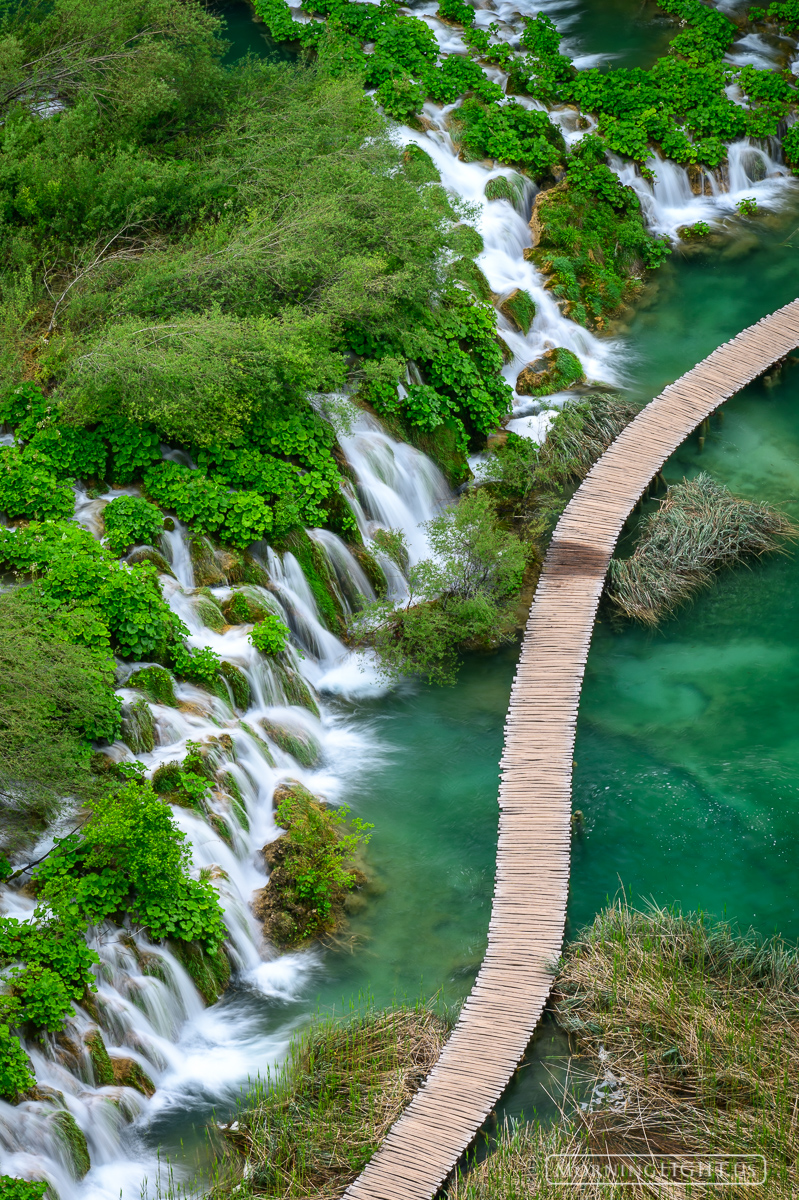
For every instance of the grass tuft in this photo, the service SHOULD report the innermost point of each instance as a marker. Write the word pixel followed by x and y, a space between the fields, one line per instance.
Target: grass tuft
pixel 699 528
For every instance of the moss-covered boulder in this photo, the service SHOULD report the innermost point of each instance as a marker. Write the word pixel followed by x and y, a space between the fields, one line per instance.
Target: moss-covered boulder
pixel 209 612
pixel 207 572
pixel 556 370
pixel 238 683
pixel 311 869
pixel 73 1141
pixel 138 727
pixel 156 683
pixel 129 1073
pixel 467 272
pixel 519 309
pixel 102 1069
pixel 297 742
pixel 149 554
pixel 294 687
pixel 419 166
pixel 245 607
pixel 504 187
pixel 166 778
pixel 210 973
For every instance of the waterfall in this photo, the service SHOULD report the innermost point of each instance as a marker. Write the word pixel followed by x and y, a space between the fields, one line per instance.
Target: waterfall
pixel 147 1007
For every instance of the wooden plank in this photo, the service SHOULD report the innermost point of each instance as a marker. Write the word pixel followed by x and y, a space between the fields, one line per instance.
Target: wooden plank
pixel 531 886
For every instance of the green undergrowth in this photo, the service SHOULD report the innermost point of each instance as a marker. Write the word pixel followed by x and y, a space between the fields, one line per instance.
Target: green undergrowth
pixel 311 1128
pixel 312 867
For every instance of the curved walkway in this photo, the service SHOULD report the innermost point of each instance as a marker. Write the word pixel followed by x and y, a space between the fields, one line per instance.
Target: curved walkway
pixel 532 879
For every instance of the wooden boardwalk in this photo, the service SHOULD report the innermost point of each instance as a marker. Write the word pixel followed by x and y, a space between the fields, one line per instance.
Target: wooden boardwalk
pixel 532 877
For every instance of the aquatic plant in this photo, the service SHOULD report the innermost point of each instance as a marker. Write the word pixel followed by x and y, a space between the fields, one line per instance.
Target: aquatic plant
pixel 128 521
pixel 699 528
pixel 270 634
pixel 312 1127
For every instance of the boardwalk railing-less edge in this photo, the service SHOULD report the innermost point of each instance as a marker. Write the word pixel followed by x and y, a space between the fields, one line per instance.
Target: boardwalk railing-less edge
pixel 532 879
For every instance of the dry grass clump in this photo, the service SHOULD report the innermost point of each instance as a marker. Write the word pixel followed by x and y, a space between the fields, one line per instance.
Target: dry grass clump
pixel 691 1033
pixel 581 433
pixel 311 1130
pixel 699 528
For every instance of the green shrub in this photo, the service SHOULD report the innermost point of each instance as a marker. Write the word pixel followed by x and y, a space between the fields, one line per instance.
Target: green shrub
pixel 15 1078
pixel 29 488
pixel 130 521
pixel 207 505
pixel 270 635
pixel 130 857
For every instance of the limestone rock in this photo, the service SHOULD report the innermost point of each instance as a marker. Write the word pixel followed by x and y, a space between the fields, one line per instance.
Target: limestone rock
pixel 555 370
pixel 129 1073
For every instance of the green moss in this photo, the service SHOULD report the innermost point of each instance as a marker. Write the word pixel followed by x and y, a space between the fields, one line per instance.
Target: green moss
pixel 166 778
pixel 220 827
pixel 265 750
pixel 296 742
pixel 239 684
pixel 237 610
pixel 101 1063
pixel 157 684
pixel 519 308
pixel 444 447
pixel 73 1140
pixel 207 572
pixel 129 1073
pixel 556 370
pixel 210 973
pixel 209 613
pixel 372 569
pixel 295 689
pixel 504 188
pixel 138 728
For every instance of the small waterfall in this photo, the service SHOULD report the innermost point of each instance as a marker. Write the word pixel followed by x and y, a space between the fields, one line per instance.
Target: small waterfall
pixel 350 576
pixel 176 547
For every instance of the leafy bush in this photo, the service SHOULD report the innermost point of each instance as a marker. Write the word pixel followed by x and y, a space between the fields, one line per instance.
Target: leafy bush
pixel 130 857
pixel 460 597
pixel 130 521
pixel 270 635
pixel 514 134
pixel 29 488
pixel 207 505
pixel 747 207
pixel 15 1078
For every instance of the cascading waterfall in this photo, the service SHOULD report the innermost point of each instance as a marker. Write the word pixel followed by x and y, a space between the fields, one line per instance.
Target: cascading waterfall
pixel 147 1008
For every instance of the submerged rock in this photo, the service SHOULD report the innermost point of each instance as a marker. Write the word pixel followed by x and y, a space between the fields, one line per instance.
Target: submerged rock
pixel 299 743
pixel 554 371
pixel 138 727
pixel 73 1139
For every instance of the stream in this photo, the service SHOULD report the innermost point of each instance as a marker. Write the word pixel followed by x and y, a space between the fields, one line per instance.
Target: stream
pixel 687 752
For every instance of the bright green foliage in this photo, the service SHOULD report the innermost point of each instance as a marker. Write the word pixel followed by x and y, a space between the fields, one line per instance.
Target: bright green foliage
pixel 15 1077
pixel 695 232
pixel 40 995
pixel 747 207
pixel 785 14
pixel 114 601
pixel 56 697
pixel 29 489
pixel 25 409
pixel 133 447
pixel 201 665
pixel 456 11
pixel 72 453
pixel 207 505
pixel 790 145
pixel 593 238
pixel 680 104
pixel 130 521
pixel 21 1189
pixel 270 635
pixel 130 857
pixel 514 134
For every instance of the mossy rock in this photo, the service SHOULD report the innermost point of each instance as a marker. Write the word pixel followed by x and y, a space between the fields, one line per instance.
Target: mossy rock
pixel 73 1139
pixel 503 187
pixel 443 446
pixel 294 687
pixel 245 608
pixel 419 166
pixel 207 572
pixel 129 1073
pixel 138 728
pixel 467 272
pixel 238 682
pixel 555 371
pixel 254 572
pixel 231 563
pixel 317 572
pixel 296 742
pixel 264 748
pixel 371 569
pixel 142 554
pixel 101 1063
pixel 166 778
pixel 153 966
pixel 209 613
pixel 519 309
pixel 210 973
pixel 156 683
